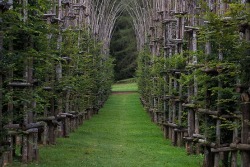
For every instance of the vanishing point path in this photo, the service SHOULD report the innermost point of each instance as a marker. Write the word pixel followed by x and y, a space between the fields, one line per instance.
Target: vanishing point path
pixel 121 135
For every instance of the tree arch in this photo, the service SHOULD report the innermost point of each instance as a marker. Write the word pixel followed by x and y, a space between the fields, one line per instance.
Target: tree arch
pixel 104 14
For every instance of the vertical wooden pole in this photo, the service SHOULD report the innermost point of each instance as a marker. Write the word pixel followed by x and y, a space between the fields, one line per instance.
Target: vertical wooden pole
pixel 10 109
pixel 245 109
pixel 195 93
pixel 45 134
pixel 25 138
pixel 180 106
pixel 24 149
pixel 51 133
pixel 180 138
pixel 174 133
pixel 218 121
pixel 30 141
pixel 1 78
pixel 59 65
pixel 1 91
pixel 234 154
pixel 67 99
pixel 48 111
pixel 191 129
pixel 170 110
pixel 218 136
pixel 165 102
pixel 35 147
pixel 208 155
pixel 245 155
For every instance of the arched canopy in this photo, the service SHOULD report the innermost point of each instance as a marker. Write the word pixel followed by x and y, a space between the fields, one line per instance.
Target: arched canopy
pixel 104 14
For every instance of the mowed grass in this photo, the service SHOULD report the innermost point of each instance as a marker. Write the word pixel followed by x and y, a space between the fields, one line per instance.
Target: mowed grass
pixel 124 87
pixel 121 135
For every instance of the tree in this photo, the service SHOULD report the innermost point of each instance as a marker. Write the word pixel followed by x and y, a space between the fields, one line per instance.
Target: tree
pixel 123 47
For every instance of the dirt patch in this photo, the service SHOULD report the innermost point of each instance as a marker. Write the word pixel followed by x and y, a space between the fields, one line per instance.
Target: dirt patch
pixel 123 92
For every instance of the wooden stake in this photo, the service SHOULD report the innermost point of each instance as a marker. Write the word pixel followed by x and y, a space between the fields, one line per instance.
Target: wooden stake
pixel 245 155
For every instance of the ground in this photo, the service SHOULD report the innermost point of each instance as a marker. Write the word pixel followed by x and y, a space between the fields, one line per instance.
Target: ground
pixel 121 135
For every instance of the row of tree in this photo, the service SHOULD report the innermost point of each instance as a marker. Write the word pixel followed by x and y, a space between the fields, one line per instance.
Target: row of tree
pixel 193 75
pixel 53 74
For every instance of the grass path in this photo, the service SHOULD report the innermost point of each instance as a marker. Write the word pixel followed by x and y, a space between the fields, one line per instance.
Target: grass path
pixel 125 87
pixel 121 135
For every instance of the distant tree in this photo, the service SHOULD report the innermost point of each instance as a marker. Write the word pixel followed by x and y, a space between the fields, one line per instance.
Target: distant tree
pixel 123 47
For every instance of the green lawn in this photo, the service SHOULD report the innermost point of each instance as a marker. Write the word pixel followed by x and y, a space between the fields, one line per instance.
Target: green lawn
pixel 129 80
pixel 125 87
pixel 121 135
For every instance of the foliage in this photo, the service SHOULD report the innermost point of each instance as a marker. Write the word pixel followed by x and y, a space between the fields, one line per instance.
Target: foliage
pixel 215 74
pixel 123 48
pixel 220 68
pixel 143 74
pixel 177 61
pixel 60 62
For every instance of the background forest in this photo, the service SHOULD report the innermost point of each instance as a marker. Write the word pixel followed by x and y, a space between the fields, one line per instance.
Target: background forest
pixel 123 48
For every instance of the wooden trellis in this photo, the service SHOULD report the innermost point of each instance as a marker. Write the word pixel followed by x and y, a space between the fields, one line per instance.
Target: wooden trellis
pixel 62 115
pixel 180 21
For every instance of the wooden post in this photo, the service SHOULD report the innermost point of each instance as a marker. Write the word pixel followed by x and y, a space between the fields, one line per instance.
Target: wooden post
pixel 180 105
pixel 234 154
pixel 1 79
pixel 66 126
pixel 59 65
pixel 245 155
pixel 35 147
pixel 218 121
pixel 170 86
pixel 194 44
pixel 30 151
pixel 191 129
pixel 45 134
pixel 174 133
pixel 10 109
pixel 165 128
pixel 24 149
pixel 67 99
pixel 25 138
pixel 5 157
pixel 208 157
pixel 245 109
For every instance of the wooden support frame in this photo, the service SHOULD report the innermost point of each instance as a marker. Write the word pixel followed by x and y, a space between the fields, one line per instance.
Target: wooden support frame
pixel 178 24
